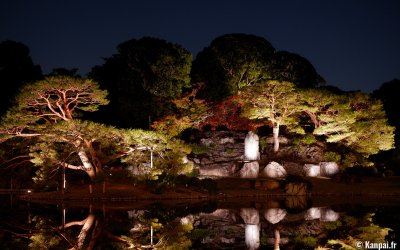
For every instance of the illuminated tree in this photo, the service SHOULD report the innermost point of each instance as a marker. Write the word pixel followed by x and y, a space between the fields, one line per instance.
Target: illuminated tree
pixel 278 102
pixel 354 120
pixel 47 109
pixel 51 101
pixel 189 112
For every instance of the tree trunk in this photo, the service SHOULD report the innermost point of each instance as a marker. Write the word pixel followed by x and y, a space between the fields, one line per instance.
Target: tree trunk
pixel 87 165
pixel 96 162
pixel 275 134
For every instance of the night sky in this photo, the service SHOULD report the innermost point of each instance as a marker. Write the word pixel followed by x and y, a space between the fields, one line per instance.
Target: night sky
pixel 354 45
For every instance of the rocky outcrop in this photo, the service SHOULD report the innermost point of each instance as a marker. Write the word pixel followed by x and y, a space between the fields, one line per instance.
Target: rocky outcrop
pixel 223 154
pixel 220 153
pixel 313 153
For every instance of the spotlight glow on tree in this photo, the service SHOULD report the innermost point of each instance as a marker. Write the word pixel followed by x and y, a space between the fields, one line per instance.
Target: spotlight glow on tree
pixel 278 102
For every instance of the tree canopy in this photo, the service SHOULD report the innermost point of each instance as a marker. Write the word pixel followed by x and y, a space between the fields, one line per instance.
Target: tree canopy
pixel 278 102
pixel 234 61
pixel 142 78
pixel 47 110
pixel 231 62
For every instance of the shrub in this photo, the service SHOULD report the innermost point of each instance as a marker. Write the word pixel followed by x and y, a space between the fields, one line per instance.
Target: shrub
pixel 332 156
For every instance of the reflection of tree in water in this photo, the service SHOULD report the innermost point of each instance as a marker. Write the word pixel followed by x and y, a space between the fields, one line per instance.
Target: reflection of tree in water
pixel 93 224
pixel 271 224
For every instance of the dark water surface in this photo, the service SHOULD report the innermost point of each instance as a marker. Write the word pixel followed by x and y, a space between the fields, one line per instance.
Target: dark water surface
pixel 287 222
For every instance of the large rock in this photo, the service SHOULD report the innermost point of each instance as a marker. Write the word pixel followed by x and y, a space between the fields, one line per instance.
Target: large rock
pixel 250 170
pixel 251 147
pixel 329 168
pixel 215 171
pixel 311 170
pixel 313 213
pixel 275 215
pixel 273 170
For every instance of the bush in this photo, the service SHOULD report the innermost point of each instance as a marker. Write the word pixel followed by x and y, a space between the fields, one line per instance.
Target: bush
pixel 332 156
pixel 308 139
pixel 199 149
pixel 307 242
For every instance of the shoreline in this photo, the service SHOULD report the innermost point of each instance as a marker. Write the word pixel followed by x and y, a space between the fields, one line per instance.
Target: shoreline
pixel 374 187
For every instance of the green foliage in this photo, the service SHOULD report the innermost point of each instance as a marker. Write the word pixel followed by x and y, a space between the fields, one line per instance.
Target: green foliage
pixel 332 156
pixel 306 242
pixel 199 148
pixel 353 120
pixel 272 100
pixel 168 154
pixel 199 233
pixel 188 114
pixel 263 143
pixel 45 237
pixel 307 139
pixel 57 97
pixel 332 225
pixel 277 102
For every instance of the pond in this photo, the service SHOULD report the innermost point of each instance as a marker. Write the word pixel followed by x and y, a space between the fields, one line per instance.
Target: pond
pixel 287 222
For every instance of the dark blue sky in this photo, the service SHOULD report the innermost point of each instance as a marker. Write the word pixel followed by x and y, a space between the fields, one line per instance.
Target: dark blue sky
pixel 353 44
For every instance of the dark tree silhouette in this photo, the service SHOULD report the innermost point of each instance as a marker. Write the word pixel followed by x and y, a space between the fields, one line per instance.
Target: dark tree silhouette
pixel 142 79
pixel 294 68
pixel 65 72
pixel 16 68
pixel 234 61
pixel 230 62
pixel 388 93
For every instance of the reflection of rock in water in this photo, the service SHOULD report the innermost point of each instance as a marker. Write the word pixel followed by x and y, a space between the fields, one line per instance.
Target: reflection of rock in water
pixel 275 215
pixel 329 215
pixel 250 215
pixel 313 213
pixel 244 228
pixel 321 213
